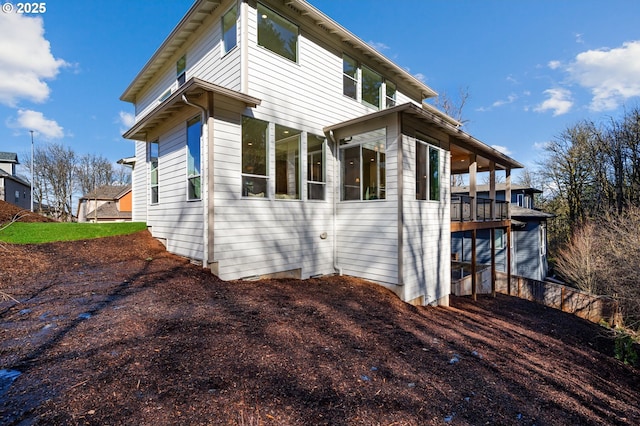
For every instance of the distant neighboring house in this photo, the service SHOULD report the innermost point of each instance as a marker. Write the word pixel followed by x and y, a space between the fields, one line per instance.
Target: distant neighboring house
pixel 106 204
pixel 528 234
pixel 13 189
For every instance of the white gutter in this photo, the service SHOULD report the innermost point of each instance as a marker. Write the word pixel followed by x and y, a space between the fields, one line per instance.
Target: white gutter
pixel 204 177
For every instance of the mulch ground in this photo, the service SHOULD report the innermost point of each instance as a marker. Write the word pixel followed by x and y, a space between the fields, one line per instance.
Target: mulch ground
pixel 116 331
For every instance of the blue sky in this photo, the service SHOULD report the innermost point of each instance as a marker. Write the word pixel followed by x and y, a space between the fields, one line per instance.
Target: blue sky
pixel 531 67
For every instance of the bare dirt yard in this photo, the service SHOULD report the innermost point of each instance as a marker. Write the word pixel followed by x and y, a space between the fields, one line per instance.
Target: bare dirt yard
pixel 116 331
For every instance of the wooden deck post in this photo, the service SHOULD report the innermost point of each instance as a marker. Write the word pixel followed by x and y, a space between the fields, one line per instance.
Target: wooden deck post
pixel 493 262
pixel 474 290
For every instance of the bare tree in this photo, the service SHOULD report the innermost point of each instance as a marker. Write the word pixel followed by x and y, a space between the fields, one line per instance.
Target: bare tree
pixel 454 107
pixel 94 171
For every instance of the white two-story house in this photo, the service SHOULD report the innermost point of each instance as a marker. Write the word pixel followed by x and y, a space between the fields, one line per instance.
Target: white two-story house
pixel 273 142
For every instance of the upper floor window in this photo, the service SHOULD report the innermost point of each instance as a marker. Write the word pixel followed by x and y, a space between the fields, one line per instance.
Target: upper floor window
pixel 427 172
pixel 287 163
pixel 152 158
pixel 181 68
pixel 277 33
pixel 363 84
pixel 316 182
pixel 255 152
pixel 229 30
pixel 194 130
pixel 363 166
pixel 349 77
pixel 371 84
pixel 390 91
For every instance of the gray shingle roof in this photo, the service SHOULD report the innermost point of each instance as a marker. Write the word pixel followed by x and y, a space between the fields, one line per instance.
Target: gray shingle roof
pixel 9 157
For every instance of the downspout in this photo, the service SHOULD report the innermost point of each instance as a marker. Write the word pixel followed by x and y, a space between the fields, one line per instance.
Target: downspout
pixel 244 46
pixel 204 176
pixel 336 266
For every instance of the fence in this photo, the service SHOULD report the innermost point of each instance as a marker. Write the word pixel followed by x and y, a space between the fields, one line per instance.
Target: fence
pixel 558 296
pixel 567 299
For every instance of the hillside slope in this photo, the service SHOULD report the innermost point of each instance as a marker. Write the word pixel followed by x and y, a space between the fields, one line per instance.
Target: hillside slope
pixel 117 331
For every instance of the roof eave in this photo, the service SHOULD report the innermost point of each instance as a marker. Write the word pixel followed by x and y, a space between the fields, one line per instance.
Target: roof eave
pixel 175 101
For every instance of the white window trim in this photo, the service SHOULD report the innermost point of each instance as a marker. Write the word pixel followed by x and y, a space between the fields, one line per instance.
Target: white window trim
pixel 430 144
pixel 187 153
pixel 150 170
pixel 224 52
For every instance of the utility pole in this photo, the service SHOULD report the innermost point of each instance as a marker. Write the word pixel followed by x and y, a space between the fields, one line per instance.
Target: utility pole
pixel 31 131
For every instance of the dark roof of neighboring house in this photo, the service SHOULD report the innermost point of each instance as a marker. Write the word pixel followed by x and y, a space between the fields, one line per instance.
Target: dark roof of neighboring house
pixel 107 192
pixel 109 210
pixel 499 187
pixel 6 175
pixel 9 157
pixel 521 212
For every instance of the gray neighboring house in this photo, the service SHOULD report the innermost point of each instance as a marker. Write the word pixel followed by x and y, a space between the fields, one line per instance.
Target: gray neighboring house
pixel 528 234
pixel 13 189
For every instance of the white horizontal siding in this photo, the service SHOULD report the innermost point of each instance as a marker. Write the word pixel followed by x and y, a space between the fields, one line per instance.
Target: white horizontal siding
pixel 174 218
pixel 262 236
pixel 139 179
pixel 204 61
pixel 426 233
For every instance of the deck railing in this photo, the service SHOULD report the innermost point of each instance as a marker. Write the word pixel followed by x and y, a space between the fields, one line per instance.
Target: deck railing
pixel 462 206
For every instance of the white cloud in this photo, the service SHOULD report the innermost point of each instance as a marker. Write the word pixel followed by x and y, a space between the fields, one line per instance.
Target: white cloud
pixel 540 146
pixel 502 149
pixel 559 102
pixel 421 77
pixel 610 74
pixel 554 65
pixel 25 59
pixel 36 121
pixel 126 121
pixel 378 46
pixel 510 99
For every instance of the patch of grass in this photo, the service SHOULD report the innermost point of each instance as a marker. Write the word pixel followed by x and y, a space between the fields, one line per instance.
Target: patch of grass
pixel 37 233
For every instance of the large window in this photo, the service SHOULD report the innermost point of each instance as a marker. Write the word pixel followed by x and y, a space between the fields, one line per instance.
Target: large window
pixel 277 33
pixel 363 84
pixel 153 171
pixel 363 166
pixel 287 163
pixel 255 171
pixel 349 77
pixel 181 70
pixel 194 130
pixel 316 182
pixel 229 30
pixel 371 84
pixel 427 172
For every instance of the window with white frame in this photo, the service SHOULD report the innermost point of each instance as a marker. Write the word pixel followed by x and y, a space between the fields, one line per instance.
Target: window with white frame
pixel 371 87
pixel 229 30
pixel 427 171
pixel 194 131
pixel 152 158
pixel 363 84
pixel 287 147
pixel 390 94
pixel 277 33
pixel 181 70
pixel 543 239
pixel 363 166
pixel 350 77
pixel 255 154
pixel 316 182
pixel 500 239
